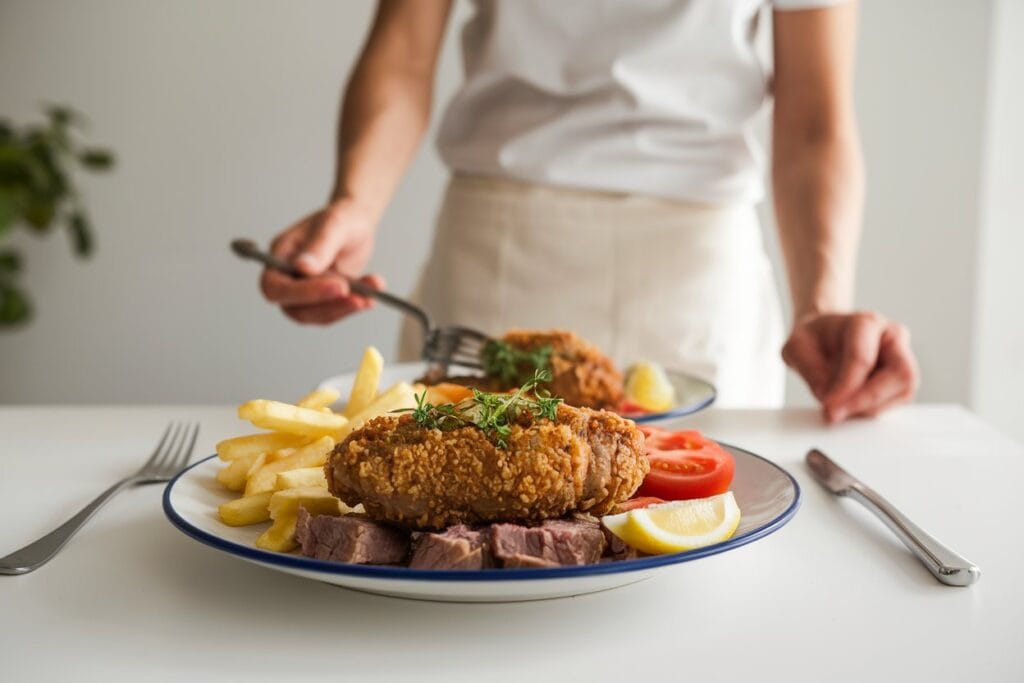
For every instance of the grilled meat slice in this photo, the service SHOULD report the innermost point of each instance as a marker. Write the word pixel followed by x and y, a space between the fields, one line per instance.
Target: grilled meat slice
pixel 458 547
pixel 350 538
pixel 559 542
pixel 584 460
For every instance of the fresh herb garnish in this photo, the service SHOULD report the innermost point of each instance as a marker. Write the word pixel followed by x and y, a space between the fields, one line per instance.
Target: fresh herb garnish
pixel 514 366
pixel 493 413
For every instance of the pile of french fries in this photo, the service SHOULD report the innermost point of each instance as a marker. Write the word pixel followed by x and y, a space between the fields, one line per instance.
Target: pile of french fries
pixel 281 470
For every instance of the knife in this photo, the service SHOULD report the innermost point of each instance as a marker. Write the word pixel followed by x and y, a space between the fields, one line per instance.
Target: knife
pixel 947 566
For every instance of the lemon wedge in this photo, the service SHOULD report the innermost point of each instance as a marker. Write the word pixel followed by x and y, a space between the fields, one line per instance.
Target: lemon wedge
pixel 647 386
pixel 677 526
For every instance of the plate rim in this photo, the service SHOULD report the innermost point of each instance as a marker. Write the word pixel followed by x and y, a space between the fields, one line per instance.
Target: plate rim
pixel 299 562
pixel 679 411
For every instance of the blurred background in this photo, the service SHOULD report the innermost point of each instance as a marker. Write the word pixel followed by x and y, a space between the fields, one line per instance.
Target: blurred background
pixel 222 116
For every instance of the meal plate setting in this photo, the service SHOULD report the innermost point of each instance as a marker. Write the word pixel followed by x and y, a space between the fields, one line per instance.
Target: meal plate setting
pixel 692 393
pixel 767 496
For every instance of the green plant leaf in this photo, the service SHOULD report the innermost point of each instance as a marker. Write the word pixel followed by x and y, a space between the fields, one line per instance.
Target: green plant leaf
pixel 10 262
pixel 97 159
pixel 39 214
pixel 55 183
pixel 12 205
pixel 17 165
pixel 81 234
pixel 36 190
pixel 15 307
pixel 61 115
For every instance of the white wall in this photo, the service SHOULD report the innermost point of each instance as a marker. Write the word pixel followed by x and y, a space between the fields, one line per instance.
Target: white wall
pixel 223 116
pixel 998 358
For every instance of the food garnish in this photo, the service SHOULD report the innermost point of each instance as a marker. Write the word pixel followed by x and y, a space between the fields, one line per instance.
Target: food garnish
pixel 511 365
pixel 677 526
pixel 492 413
pixel 685 464
pixel 648 387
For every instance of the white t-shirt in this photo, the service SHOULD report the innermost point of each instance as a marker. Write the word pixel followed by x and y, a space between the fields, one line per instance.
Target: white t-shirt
pixel 646 96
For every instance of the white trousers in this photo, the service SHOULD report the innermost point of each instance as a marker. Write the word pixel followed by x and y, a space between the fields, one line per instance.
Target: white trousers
pixel 688 286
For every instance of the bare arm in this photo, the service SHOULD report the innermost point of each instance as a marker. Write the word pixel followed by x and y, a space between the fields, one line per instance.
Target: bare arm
pixel 854 363
pixel 817 171
pixel 388 99
pixel 385 112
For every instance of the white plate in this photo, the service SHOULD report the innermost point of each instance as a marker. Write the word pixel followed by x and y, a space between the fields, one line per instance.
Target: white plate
pixel 692 393
pixel 767 495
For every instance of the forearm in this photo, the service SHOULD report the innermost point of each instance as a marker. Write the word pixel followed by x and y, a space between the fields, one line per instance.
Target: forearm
pixel 387 103
pixel 818 184
pixel 383 119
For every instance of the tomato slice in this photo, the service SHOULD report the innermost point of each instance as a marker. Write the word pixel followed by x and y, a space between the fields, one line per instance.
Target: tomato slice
pixel 685 465
pixel 628 408
pixel 637 503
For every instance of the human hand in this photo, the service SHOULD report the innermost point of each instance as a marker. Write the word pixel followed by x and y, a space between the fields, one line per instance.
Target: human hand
pixel 855 364
pixel 337 239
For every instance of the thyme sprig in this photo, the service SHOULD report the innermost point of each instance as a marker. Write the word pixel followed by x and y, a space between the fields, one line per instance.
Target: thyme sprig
pixel 511 365
pixel 492 413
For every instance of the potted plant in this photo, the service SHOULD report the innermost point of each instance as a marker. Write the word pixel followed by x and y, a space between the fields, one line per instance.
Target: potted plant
pixel 37 192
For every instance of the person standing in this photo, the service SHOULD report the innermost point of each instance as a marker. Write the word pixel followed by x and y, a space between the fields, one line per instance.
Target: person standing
pixel 604 179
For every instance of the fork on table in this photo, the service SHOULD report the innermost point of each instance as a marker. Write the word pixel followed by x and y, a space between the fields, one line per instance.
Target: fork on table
pixel 170 457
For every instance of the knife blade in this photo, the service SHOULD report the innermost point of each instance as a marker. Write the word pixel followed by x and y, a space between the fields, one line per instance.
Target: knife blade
pixel 829 474
pixel 947 566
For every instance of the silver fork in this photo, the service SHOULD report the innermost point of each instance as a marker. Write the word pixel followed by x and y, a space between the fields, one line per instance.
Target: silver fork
pixel 170 457
pixel 442 346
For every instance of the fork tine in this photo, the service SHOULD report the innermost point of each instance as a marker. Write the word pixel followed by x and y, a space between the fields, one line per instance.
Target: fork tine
pixel 465 361
pixel 186 451
pixel 455 345
pixel 159 447
pixel 171 448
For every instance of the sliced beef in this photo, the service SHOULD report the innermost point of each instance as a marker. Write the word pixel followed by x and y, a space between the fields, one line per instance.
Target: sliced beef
pixel 559 541
pixel 617 548
pixel 528 562
pixel 350 538
pixel 458 547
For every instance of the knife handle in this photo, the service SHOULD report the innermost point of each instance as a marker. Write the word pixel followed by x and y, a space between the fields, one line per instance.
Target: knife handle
pixel 947 566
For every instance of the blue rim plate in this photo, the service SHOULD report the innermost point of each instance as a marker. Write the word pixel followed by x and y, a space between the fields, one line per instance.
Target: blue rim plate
pixel 693 394
pixel 768 497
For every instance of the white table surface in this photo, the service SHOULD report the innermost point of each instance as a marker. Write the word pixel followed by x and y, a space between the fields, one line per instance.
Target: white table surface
pixel 832 596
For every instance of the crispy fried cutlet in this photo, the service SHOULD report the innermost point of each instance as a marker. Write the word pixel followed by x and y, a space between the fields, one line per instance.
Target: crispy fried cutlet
pixel 425 478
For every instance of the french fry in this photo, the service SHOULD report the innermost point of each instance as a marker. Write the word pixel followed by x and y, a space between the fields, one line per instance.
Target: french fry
pixel 284 510
pixel 304 476
pixel 234 475
pixel 316 500
pixel 273 456
pixel 280 537
pixel 366 383
pixel 310 455
pixel 284 417
pixel 400 395
pixel 319 399
pixel 246 510
pixel 254 444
